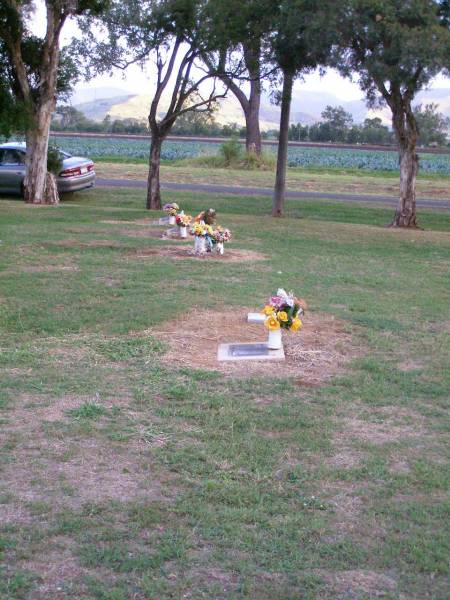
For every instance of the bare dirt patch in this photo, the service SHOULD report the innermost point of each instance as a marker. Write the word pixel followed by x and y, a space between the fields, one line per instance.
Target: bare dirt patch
pixel 379 433
pixel 357 582
pixel 315 354
pixel 108 281
pixel 92 472
pixel 143 233
pixel 47 268
pixel 410 365
pixel 56 567
pixel 44 466
pixel 146 221
pixel 41 269
pixel 234 255
pixel 167 234
pixel 89 244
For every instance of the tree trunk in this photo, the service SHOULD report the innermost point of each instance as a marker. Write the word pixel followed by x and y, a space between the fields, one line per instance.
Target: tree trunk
pixel 405 215
pixel 36 157
pixel 153 187
pixel 251 105
pixel 280 180
pixel 51 190
pixel 253 133
pixel 405 128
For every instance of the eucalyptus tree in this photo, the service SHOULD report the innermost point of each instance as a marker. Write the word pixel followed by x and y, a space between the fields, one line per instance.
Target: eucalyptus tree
pixel 236 32
pixel 396 48
pixel 33 72
pixel 167 37
pixel 301 41
pixel 432 124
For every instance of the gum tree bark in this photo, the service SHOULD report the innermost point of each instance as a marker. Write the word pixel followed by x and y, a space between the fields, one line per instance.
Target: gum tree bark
pixel 250 105
pixel 406 133
pixel 36 190
pixel 280 180
pixel 153 184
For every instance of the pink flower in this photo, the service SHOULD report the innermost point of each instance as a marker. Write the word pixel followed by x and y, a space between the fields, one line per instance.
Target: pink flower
pixel 276 301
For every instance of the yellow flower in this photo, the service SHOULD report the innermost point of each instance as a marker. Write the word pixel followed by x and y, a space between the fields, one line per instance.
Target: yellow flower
pixel 282 316
pixel 268 310
pixel 272 323
pixel 296 324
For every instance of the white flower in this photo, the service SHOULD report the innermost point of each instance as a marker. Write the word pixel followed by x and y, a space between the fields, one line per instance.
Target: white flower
pixel 287 298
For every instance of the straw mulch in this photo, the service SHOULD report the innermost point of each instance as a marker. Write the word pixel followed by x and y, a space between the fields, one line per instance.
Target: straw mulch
pixel 313 355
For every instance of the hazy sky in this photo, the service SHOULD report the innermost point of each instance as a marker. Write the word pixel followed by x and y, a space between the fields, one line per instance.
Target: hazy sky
pixel 135 81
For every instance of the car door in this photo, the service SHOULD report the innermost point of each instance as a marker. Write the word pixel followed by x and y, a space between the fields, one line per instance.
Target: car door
pixel 12 170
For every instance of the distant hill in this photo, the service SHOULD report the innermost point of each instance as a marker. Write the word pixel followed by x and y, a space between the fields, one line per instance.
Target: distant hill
pixel 307 106
pixel 98 109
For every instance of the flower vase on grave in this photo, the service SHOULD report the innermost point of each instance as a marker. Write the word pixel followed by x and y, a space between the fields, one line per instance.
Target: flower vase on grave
pixel 172 220
pixel 219 247
pixel 183 231
pixel 274 342
pixel 201 248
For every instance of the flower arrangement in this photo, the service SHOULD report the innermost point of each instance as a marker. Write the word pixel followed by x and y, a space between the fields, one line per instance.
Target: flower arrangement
pixel 221 235
pixel 201 230
pixel 282 312
pixel 172 209
pixel 183 220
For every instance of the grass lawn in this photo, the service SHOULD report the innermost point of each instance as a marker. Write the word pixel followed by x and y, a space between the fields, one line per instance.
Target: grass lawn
pixel 125 473
pixel 303 180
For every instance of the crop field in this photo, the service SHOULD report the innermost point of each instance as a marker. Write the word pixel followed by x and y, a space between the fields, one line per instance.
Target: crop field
pixel 328 158
pixel 132 149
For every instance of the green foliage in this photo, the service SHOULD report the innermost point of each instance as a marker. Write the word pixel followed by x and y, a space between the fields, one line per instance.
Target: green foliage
pixel 341 129
pixel 119 349
pixel 412 44
pixel 54 160
pixel 433 126
pixel 231 151
pixel 302 34
pixel 15 585
pixel 88 410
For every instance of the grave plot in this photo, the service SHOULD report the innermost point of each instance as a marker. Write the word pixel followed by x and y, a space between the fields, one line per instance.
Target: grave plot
pixel 234 255
pixel 312 356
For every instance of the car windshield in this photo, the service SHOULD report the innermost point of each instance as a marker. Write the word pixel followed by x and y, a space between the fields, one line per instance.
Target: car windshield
pixel 64 154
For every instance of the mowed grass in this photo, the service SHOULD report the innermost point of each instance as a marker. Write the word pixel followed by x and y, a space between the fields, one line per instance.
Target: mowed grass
pixel 127 475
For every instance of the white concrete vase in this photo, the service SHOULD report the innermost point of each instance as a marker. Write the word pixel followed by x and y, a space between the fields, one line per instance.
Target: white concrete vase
pixel 220 248
pixel 172 220
pixel 183 231
pixel 274 341
pixel 201 248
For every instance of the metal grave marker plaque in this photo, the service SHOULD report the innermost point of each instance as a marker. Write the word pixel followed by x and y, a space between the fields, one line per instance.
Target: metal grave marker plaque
pixel 248 351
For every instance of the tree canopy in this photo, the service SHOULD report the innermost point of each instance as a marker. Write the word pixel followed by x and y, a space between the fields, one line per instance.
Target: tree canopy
pixel 395 47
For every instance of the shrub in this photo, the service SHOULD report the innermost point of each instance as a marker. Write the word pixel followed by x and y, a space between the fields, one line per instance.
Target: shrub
pixel 231 151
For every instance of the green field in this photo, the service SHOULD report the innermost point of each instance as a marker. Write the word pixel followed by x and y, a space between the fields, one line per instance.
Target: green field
pixel 309 158
pixel 130 471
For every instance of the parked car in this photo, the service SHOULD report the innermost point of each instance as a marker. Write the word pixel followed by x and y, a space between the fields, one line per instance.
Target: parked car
pixel 76 174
